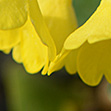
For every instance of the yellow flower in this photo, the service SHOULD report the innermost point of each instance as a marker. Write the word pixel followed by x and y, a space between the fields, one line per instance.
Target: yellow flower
pixel 14 15
pixel 23 27
pixel 94 44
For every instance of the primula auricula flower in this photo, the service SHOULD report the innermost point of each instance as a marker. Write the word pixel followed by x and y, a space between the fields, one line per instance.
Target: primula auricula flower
pixel 94 44
pixel 14 15
pixel 18 19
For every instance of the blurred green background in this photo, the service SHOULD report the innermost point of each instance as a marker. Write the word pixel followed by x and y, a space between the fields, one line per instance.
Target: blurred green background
pixel 84 9
pixel 21 91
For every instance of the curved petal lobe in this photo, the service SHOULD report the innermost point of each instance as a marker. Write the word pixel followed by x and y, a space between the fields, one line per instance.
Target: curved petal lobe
pixel 17 54
pixel 93 61
pixel 33 51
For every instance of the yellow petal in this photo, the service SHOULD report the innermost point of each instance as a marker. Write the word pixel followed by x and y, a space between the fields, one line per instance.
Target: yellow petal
pixel 97 28
pixel 13 13
pixel 17 54
pixel 76 39
pixel 7 51
pixel 93 61
pixel 41 28
pixel 71 62
pixel 33 51
pixel 9 38
pixel 60 18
